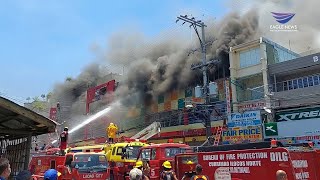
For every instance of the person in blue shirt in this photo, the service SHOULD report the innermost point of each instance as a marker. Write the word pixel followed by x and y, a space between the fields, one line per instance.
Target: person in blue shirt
pixel 5 169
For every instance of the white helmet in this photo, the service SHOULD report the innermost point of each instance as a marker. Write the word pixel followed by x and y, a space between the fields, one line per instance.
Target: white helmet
pixel 135 174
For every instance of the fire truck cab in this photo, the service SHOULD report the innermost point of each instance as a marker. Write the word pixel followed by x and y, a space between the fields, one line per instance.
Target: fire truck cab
pixel 154 155
pixel 79 166
pixel 122 157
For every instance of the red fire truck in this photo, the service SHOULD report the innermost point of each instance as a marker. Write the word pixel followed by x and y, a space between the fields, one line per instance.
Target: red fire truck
pixel 154 155
pixel 236 162
pixel 72 166
pixel 251 161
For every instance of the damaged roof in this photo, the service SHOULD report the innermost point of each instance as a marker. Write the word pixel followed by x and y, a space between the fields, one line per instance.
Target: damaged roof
pixel 17 121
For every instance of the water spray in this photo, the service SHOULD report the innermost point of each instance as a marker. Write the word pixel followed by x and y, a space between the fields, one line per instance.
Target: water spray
pixel 87 121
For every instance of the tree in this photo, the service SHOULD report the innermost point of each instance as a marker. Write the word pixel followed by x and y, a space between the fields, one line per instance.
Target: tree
pixel 43 96
pixel 28 99
pixel 69 79
pixel 49 96
pixel 37 104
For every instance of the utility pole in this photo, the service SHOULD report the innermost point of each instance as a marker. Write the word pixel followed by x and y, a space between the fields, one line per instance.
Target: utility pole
pixel 203 65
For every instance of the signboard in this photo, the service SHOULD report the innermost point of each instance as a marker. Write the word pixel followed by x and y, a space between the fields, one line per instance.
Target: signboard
pixel 248 118
pixel 271 129
pixel 228 97
pixel 251 106
pixel 257 164
pixel 298 114
pixel 242 134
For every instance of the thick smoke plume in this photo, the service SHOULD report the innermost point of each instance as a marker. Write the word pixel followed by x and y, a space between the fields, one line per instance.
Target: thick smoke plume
pixel 156 66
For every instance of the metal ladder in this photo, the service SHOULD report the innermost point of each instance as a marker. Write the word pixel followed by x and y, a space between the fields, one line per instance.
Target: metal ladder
pixel 218 136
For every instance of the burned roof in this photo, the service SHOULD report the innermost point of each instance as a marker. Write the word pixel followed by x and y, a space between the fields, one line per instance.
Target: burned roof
pixel 17 121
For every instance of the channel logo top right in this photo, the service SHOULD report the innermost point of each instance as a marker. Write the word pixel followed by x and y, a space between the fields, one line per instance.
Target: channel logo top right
pixel 283 19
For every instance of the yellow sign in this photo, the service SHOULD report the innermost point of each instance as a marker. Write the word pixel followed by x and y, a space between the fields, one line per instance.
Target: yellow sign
pixel 243 134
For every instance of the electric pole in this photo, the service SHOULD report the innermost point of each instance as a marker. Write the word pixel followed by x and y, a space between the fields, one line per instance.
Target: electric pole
pixel 203 65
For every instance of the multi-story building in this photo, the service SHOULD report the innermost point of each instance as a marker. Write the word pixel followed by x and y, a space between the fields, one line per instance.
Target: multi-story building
pixel 279 84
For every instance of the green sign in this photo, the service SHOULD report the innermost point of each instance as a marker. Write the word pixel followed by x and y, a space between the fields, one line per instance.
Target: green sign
pixel 299 114
pixel 271 129
pixel 188 92
pixel 181 104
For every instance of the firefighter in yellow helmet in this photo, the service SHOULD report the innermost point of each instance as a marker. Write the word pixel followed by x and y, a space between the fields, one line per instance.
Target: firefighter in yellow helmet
pixel 167 173
pixel 139 165
pixel 111 132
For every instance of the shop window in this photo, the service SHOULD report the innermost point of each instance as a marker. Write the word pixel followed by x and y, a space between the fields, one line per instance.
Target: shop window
pixel 305 82
pixel 290 85
pixel 295 84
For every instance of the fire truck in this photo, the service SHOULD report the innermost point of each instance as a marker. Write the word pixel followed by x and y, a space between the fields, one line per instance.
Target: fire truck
pixel 154 155
pixel 72 166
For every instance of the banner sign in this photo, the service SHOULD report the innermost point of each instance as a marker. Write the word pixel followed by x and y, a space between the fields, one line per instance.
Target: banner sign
pixel 249 118
pixel 53 113
pixel 298 114
pixel 251 106
pixel 242 135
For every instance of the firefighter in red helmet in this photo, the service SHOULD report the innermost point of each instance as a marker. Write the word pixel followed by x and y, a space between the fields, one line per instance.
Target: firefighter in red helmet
pixel 64 140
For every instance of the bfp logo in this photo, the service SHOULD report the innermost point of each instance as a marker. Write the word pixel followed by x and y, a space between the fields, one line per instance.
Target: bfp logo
pixel 282 18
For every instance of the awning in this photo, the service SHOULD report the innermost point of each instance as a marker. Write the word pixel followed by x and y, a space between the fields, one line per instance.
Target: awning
pixel 17 121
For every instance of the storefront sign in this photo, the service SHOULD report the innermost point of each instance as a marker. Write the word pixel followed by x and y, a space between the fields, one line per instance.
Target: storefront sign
pixel 270 129
pixel 242 134
pixel 248 118
pixel 251 106
pixel 299 114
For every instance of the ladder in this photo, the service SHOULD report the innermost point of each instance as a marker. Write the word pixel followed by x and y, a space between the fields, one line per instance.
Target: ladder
pixel 218 136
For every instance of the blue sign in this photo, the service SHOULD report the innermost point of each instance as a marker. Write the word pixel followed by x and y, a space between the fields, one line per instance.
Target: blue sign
pixel 248 118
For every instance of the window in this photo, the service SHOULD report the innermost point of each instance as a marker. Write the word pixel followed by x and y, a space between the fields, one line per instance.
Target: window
pixel 250 57
pixel 305 82
pixel 52 164
pixel 171 152
pixel 295 84
pixel 300 84
pixel 310 80
pixel 119 151
pixel 153 154
pixel 145 155
pixel 290 85
pixel 316 80
pixel 285 86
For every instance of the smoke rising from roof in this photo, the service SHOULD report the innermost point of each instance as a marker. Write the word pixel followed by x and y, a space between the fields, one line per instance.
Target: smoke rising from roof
pixel 156 66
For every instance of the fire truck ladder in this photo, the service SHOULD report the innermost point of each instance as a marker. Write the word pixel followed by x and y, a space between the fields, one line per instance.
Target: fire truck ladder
pixel 148 132
pixel 218 136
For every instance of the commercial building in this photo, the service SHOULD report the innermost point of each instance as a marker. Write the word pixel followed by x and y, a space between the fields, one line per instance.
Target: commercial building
pixel 281 85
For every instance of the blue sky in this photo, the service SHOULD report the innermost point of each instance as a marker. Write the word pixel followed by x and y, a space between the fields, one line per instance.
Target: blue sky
pixel 43 42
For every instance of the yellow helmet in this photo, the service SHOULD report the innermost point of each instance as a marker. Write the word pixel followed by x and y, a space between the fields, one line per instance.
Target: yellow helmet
pixel 139 164
pixel 189 162
pixel 111 124
pixel 167 164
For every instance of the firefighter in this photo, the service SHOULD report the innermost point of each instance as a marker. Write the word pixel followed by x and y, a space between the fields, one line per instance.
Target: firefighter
pixel 199 175
pixel 63 140
pixel 139 165
pixel 168 173
pixel 111 131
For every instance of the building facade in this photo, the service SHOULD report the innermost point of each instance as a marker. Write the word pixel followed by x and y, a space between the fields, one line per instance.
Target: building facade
pixel 281 85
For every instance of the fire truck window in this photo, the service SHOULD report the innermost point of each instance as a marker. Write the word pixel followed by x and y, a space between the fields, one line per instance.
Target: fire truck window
pixel 119 151
pixel 53 164
pixel 68 160
pixel 145 154
pixel 171 152
pixel 153 154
